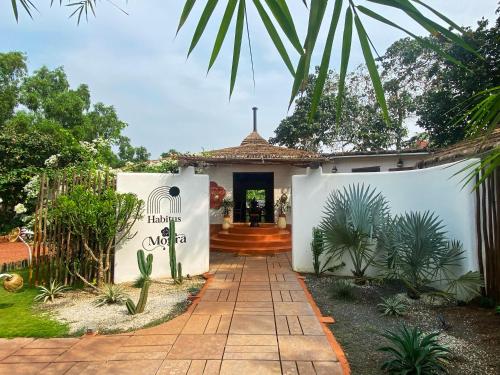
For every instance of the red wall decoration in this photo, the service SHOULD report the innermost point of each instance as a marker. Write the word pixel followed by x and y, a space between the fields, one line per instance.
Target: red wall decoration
pixel 217 194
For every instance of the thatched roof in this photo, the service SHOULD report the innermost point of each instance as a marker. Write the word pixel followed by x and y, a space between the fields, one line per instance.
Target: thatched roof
pixel 255 150
pixel 464 149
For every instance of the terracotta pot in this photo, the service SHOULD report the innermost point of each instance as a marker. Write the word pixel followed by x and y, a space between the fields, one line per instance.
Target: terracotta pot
pixel 282 222
pixel 226 223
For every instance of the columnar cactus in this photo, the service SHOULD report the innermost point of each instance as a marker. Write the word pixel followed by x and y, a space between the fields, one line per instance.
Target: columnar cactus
pixel 171 250
pixel 175 268
pixel 145 267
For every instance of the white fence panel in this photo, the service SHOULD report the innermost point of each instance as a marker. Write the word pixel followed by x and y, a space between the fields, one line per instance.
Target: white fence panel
pixel 435 189
pixel 182 197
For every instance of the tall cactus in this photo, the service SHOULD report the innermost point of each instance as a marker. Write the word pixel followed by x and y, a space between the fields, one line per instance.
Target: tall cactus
pixel 171 250
pixel 175 268
pixel 145 268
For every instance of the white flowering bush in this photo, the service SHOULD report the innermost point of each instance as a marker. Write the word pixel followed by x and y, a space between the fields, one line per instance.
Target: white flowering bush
pixel 32 187
pixel 20 209
pixel 52 161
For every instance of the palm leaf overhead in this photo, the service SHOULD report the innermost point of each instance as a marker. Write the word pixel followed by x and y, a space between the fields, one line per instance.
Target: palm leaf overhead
pixel 277 15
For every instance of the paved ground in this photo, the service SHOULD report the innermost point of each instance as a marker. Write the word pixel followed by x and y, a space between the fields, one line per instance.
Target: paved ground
pixel 253 317
pixel 12 252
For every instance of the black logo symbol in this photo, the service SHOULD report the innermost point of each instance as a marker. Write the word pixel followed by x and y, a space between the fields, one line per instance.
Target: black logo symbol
pixel 171 193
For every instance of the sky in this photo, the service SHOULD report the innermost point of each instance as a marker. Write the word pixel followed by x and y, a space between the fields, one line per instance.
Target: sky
pixel 137 64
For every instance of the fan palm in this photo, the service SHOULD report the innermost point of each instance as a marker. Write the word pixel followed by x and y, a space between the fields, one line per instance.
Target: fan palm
pixel 419 254
pixel 354 219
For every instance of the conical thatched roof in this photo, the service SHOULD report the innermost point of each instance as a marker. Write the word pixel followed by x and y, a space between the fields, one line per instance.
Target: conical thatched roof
pixel 255 149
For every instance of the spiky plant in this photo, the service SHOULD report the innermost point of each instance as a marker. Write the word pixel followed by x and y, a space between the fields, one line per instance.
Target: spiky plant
pixel 354 219
pixel 111 294
pixel 414 352
pixel 50 292
pixel 420 255
pixel 342 289
pixel 394 306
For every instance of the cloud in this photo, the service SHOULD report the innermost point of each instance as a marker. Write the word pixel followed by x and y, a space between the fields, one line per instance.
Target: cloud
pixel 135 63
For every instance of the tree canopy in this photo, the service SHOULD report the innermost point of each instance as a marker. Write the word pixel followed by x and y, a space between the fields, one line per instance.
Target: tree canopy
pixel 45 123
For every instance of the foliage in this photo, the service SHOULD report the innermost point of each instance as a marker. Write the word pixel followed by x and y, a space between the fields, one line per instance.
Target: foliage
pixel 318 249
pixel 45 125
pixel 226 206
pixel 175 267
pixel 420 255
pixel 20 318
pixel 394 306
pixel 342 289
pixel 283 204
pixel 414 352
pixel 353 220
pixel 497 310
pixel 111 294
pixel 363 127
pixel 278 13
pixel 145 268
pixel 445 92
pixel 50 292
pixel 102 220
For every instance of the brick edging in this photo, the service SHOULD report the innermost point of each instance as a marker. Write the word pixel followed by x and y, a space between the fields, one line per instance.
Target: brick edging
pixel 339 352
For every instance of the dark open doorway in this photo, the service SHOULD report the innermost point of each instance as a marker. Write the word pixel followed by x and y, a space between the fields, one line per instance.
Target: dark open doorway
pixel 253 185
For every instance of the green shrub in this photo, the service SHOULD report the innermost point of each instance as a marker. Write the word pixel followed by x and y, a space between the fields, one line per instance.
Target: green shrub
pixel 101 220
pixel 111 294
pixel 354 219
pixel 497 310
pixel 419 254
pixel 50 292
pixel 394 306
pixel 414 352
pixel 342 289
pixel 139 282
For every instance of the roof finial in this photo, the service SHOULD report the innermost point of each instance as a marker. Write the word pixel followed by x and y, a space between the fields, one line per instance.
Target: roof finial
pixel 254 109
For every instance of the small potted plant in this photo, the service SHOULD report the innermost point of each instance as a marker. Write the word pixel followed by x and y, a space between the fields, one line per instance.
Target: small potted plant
pixel 282 205
pixel 226 207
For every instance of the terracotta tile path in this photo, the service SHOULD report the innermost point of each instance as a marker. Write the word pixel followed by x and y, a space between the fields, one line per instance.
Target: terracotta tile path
pixel 253 317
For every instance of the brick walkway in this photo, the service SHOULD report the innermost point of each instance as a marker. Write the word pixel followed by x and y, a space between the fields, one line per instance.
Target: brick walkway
pixel 254 317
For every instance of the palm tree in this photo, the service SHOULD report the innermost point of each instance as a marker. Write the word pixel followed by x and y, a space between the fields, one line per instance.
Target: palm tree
pixel 354 219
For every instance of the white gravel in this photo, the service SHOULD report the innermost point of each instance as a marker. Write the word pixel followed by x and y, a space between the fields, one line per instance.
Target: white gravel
pixel 78 309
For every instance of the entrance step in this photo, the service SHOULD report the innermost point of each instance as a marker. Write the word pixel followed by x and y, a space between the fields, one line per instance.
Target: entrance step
pixel 245 240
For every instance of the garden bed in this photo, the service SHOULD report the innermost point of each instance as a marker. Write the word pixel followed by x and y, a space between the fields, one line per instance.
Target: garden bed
pixel 78 309
pixel 473 335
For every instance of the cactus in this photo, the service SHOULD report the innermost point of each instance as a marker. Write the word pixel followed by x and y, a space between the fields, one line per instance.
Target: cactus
pixel 171 250
pixel 145 267
pixel 179 273
pixel 175 268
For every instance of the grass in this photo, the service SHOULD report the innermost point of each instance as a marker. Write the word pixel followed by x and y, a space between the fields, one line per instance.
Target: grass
pixel 19 316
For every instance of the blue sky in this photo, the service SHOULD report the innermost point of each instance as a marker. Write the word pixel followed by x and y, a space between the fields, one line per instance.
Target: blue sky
pixel 135 63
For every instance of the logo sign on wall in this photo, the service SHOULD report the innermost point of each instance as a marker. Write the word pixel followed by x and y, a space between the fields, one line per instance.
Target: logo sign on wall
pixel 182 197
pixel 156 214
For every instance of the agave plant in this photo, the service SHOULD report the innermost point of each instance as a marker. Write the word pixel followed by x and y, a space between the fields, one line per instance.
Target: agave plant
pixel 414 352
pixel 51 292
pixel 420 255
pixel 354 219
pixel 111 294
pixel 393 305
pixel 342 289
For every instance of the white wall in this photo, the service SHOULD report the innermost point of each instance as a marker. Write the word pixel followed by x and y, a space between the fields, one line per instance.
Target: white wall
pixel 345 164
pixel 189 209
pixel 223 176
pixel 434 189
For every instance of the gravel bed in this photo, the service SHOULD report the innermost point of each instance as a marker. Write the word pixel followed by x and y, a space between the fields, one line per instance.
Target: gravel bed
pixel 472 333
pixel 78 309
